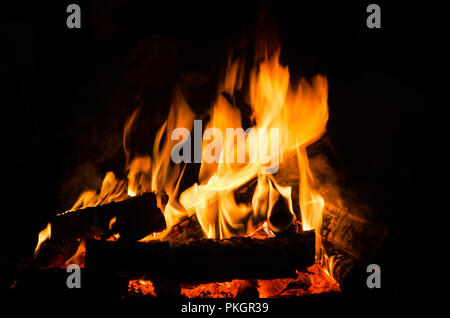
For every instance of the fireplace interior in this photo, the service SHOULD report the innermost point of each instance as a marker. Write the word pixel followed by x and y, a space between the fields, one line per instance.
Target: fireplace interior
pixel 92 178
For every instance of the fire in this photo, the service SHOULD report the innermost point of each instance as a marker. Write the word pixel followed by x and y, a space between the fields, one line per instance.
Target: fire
pixel 296 116
pixel 112 190
pixel 138 176
pixel 140 286
pixel 299 113
pixel 78 257
pixel 230 289
pixel 314 280
pixel 44 235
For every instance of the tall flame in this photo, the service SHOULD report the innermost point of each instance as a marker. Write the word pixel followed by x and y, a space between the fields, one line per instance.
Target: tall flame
pixel 299 113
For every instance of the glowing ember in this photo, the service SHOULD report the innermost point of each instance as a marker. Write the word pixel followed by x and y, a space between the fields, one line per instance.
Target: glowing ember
pixel 217 290
pixel 141 287
pixel 313 280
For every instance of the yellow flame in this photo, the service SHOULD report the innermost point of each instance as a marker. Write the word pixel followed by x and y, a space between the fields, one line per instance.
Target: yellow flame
pixel 112 190
pixel 139 176
pixel 44 235
pixel 164 176
pixel 300 114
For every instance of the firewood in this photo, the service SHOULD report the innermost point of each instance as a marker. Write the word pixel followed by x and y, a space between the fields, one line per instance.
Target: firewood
pixel 186 229
pixel 136 217
pixel 352 234
pixel 202 260
pixel 338 263
pixel 348 245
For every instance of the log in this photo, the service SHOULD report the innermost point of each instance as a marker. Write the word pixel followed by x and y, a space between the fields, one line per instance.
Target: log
pixel 186 229
pixel 355 235
pixel 136 217
pixel 337 262
pixel 280 219
pixel 51 284
pixel 349 243
pixel 201 261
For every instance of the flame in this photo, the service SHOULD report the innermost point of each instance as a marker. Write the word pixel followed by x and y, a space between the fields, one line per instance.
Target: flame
pixel 139 176
pixel 299 113
pixel 112 190
pixel 311 203
pixel 78 257
pixel 44 235
pixel 164 174
pixel 112 222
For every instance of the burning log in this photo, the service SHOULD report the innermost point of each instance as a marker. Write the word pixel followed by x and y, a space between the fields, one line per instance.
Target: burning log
pixel 355 235
pixel 135 218
pixel 199 261
pixel 337 262
pixel 187 229
pixel 348 244
pixel 280 219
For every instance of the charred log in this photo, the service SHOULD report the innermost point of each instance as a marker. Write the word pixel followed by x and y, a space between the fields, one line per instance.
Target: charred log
pixel 187 229
pixel 201 261
pixel 136 217
pixel 337 262
pixel 352 234
pixel 348 244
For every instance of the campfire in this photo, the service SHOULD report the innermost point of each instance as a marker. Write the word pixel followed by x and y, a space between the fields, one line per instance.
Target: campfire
pixel 263 216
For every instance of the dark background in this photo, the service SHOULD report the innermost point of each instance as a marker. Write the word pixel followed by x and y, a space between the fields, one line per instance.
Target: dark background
pixel 65 96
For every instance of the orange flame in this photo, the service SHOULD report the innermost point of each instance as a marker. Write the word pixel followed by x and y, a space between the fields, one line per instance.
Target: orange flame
pixel 299 113
pixel 44 235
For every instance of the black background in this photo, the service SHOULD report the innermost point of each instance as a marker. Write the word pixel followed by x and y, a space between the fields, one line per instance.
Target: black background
pixel 65 96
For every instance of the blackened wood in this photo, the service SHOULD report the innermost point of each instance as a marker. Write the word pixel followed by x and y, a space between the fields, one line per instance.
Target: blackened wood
pixel 348 245
pixel 280 218
pixel 203 260
pixel 136 217
pixel 51 283
pixel 187 229
pixel 337 262
pixel 352 234
pixel 45 282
